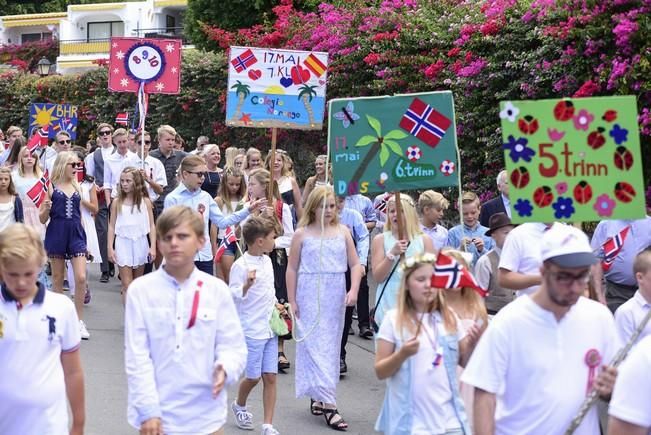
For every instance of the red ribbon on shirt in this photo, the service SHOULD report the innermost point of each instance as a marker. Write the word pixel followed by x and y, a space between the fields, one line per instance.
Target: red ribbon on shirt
pixel 195 305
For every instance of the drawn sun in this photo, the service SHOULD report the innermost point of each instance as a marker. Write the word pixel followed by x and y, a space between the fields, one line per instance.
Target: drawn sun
pixel 43 116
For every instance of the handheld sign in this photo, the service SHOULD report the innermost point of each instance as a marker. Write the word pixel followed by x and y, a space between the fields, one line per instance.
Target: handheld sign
pixel 58 117
pixel 573 160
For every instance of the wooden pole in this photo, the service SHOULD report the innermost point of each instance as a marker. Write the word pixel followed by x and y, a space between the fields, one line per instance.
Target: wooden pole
pixel 401 229
pixel 272 161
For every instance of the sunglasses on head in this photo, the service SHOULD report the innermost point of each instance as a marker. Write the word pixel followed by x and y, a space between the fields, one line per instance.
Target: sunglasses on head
pixel 104 133
pixel 61 142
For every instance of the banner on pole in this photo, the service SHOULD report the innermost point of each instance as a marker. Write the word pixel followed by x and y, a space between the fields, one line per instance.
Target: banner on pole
pixel 393 143
pixel 276 88
pixel 56 117
pixel 573 160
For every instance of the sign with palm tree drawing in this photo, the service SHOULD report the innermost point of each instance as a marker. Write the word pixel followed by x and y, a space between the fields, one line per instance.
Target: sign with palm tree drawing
pixel 276 88
pixel 393 143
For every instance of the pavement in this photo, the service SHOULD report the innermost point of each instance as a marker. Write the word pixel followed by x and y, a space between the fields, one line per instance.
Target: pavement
pixel 359 392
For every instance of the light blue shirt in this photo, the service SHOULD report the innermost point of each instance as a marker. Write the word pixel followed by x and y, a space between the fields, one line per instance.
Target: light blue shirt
pixel 201 202
pixel 507 205
pixel 355 223
pixel 363 205
pixel 456 234
pixel 438 234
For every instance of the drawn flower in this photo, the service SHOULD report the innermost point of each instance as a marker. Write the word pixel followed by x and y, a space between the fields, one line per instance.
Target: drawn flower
pixel 619 134
pixel 509 112
pixel 561 188
pixel 604 205
pixel 519 149
pixel 523 207
pixel 564 208
pixel 583 119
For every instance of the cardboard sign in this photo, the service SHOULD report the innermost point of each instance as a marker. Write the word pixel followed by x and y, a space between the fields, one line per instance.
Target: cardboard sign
pixel 154 62
pixel 58 117
pixel 573 160
pixel 388 144
pixel 276 88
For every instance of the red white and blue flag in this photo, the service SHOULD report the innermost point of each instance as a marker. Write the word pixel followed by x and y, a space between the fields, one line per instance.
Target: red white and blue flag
pixel 382 202
pixel 122 118
pixel 229 237
pixel 244 60
pixel 449 273
pixel 38 139
pixel 38 192
pixel 611 248
pixel 424 122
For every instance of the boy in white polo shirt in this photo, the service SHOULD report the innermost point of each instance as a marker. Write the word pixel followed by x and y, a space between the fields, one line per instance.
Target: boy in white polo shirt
pixel 543 353
pixel 183 339
pixel 630 314
pixel 39 344
pixel 252 287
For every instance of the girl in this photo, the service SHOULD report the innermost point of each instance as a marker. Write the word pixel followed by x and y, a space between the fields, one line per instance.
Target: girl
pixel 231 153
pixel 387 248
pixel 253 160
pixel 212 155
pixel 27 174
pixel 316 286
pixel 231 199
pixel 319 178
pixel 287 185
pixel 258 188
pixel 131 220
pixel 14 154
pixel 11 207
pixel 65 237
pixel 418 348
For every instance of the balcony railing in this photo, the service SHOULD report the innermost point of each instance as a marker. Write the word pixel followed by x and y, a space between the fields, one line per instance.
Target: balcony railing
pixel 84 46
pixel 162 32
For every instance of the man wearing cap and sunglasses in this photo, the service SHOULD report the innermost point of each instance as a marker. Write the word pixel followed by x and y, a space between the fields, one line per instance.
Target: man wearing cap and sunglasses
pixel 544 352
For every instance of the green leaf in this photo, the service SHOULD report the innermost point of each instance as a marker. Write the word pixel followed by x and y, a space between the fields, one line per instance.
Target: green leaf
pixel 375 125
pixel 365 140
pixel 394 146
pixel 384 155
pixel 395 134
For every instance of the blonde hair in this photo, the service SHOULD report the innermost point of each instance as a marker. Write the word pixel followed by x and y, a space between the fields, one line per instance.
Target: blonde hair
pixel 412 226
pixel 191 162
pixel 21 167
pixel 21 242
pixel 263 177
pixel 469 296
pixel 229 155
pixel 469 198
pixel 284 169
pixel 104 125
pixel 208 148
pixel 252 151
pixel 177 215
pixel 12 129
pixel 139 189
pixel 432 199
pixel 59 169
pixel 11 188
pixel 166 129
pixel 316 199
pixel 120 132
pixel 224 193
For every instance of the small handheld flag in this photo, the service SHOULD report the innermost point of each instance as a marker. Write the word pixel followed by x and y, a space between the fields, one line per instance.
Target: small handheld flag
pixel 611 248
pixel 38 192
pixel 449 273
pixel 122 118
pixel 229 238
pixel 38 139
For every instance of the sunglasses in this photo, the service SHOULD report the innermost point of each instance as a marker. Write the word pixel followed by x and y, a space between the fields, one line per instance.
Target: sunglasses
pixel 147 142
pixel 198 174
pixel 104 133
pixel 61 142
pixel 76 165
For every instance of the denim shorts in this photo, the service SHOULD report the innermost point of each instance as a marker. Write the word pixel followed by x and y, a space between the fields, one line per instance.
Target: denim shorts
pixel 262 356
pixel 231 248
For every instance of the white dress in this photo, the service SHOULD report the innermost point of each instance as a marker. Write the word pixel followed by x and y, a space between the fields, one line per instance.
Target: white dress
pixel 7 214
pixel 131 229
pixel 88 222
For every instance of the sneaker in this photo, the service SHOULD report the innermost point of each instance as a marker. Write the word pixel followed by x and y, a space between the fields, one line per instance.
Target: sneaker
pixel 66 286
pixel 243 419
pixel 87 296
pixel 83 331
pixel 104 278
pixel 268 429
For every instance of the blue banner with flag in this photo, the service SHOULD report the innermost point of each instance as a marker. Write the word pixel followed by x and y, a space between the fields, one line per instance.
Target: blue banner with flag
pixel 58 117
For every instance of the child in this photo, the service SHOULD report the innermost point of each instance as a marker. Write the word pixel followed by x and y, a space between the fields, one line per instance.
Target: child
pixel 130 223
pixel 25 177
pixel 431 206
pixel 39 344
pixel 65 238
pixel 471 236
pixel 252 287
pixel 183 340
pixel 11 207
pixel 419 346
pixel 316 288
pixel 230 200
pixel 629 315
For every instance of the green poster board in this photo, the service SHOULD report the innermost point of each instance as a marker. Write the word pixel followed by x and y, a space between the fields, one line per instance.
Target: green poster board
pixel 392 143
pixel 573 160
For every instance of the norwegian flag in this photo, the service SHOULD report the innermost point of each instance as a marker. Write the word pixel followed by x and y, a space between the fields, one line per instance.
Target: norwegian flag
pixel 449 273
pixel 381 203
pixel 122 118
pixel 38 192
pixel 38 139
pixel 244 60
pixel 229 238
pixel 611 248
pixel 422 121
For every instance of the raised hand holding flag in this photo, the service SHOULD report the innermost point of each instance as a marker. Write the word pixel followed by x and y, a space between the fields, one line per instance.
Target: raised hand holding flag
pixel 38 193
pixel 229 237
pixel 38 139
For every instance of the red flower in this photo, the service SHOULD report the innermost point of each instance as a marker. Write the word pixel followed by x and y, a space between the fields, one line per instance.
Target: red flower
pixel 587 89
pixel 372 59
pixel 434 69
pixel 454 51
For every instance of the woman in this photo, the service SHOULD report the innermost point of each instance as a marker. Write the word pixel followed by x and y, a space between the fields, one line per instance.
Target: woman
pixel 212 155
pixel 287 185
pixel 319 178
pixel 14 154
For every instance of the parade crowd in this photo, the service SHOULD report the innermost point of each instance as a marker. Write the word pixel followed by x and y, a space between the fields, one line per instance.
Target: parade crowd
pixel 222 260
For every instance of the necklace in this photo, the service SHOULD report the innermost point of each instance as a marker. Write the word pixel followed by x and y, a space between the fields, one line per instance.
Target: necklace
pixel 433 341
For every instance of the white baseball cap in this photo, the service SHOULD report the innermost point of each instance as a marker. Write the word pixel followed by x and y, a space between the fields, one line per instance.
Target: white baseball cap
pixel 567 246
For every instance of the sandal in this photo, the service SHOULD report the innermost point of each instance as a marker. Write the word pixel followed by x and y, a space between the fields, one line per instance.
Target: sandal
pixel 283 362
pixel 315 408
pixel 331 414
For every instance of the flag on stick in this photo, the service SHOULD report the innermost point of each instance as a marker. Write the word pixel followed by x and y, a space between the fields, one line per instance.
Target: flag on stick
pixel 38 139
pixel 38 192
pixel 122 118
pixel 611 248
pixel 229 238
pixel 449 273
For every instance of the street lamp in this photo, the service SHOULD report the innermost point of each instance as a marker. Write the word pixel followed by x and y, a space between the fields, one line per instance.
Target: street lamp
pixel 43 66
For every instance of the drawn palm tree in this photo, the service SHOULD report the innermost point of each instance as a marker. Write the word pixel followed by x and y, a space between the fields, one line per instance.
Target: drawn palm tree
pixel 242 92
pixel 383 144
pixel 306 94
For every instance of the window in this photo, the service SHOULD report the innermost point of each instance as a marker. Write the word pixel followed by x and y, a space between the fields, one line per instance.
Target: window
pixel 105 30
pixel 170 24
pixel 31 37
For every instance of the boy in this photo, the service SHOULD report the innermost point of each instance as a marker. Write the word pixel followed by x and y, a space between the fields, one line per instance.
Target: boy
pixel 471 236
pixel 252 287
pixel 631 313
pixel 39 344
pixel 183 339
pixel 431 206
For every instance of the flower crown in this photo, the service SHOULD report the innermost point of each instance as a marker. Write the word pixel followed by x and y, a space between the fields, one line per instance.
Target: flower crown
pixel 418 259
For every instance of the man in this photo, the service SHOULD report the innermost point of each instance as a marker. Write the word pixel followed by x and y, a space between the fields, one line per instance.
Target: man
pixel 171 160
pixel 131 141
pixel 202 141
pixel 62 142
pixel 501 204
pixel 542 353
pixel 152 169
pixel 95 167
pixel 114 163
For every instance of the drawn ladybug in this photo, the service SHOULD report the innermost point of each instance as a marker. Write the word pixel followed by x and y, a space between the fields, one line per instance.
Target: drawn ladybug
pixel 520 177
pixel 564 110
pixel 623 158
pixel 528 124
pixel 596 139
pixel 543 196
pixel 583 192
pixel 610 116
pixel 624 192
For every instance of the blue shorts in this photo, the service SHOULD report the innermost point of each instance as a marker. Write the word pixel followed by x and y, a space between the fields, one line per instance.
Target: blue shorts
pixel 231 248
pixel 262 357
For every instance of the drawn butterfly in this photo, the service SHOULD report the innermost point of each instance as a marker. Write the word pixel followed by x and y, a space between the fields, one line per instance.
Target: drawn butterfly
pixel 347 115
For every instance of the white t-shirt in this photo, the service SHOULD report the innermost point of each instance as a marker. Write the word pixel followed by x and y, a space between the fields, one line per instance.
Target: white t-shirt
pixel 431 397
pixel 154 169
pixel 536 365
pixel 521 252
pixel 629 315
pixel 631 401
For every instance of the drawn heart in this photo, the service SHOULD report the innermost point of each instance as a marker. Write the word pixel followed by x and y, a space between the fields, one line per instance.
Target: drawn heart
pixel 255 74
pixel 300 75
pixel 286 82
pixel 322 82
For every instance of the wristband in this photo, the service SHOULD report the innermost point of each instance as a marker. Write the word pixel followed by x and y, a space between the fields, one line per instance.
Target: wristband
pixel 390 256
